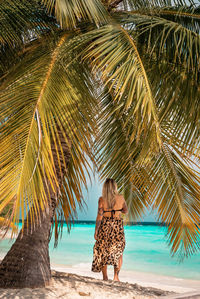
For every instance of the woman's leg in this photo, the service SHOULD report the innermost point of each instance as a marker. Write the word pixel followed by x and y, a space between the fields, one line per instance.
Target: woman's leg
pixel 104 271
pixel 117 269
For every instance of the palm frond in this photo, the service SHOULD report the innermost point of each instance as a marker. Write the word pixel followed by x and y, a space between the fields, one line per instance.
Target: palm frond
pixel 39 97
pixel 113 52
pixel 152 4
pixel 168 39
pixel 21 22
pixel 175 193
pixel 70 13
pixel 177 99
pixel 116 155
pixel 182 14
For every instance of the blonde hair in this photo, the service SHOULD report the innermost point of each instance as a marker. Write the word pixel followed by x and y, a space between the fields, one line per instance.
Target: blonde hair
pixel 109 191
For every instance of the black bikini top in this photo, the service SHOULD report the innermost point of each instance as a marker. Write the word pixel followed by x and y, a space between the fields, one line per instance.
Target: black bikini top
pixel 112 212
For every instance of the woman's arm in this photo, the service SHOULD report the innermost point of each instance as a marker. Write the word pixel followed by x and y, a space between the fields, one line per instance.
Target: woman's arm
pixel 99 216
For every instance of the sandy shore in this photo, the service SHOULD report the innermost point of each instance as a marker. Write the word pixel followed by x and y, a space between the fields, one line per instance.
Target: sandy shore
pixel 167 283
pixel 72 286
pixel 133 285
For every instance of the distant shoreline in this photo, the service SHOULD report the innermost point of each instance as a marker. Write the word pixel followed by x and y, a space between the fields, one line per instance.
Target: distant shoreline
pixel 125 222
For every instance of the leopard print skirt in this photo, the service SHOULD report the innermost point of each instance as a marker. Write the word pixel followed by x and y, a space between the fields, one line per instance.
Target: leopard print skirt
pixel 109 245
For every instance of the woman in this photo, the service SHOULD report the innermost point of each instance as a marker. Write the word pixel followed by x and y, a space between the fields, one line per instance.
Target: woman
pixel 109 231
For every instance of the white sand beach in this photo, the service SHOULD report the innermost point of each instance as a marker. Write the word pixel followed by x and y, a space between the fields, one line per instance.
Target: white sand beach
pixel 167 283
pixel 74 283
pixel 72 286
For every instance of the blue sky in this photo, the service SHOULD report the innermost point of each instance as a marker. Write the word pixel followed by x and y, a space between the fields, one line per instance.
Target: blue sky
pixel 91 197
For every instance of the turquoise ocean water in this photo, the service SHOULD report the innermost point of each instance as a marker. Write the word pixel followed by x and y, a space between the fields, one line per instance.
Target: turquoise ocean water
pixel 146 251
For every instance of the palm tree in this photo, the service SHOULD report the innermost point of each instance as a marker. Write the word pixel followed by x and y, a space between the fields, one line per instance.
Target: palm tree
pixel 114 82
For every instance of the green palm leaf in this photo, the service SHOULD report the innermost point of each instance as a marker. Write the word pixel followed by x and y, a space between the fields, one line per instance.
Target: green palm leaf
pixel 21 22
pixel 31 114
pixel 177 99
pixel 145 4
pixel 114 53
pixel 116 156
pixel 70 13
pixel 175 193
pixel 169 39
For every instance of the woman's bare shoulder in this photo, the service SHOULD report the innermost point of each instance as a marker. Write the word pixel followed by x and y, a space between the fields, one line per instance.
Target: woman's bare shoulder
pixel 100 200
pixel 120 197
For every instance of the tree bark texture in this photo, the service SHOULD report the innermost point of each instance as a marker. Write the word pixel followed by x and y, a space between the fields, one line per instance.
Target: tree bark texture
pixel 27 263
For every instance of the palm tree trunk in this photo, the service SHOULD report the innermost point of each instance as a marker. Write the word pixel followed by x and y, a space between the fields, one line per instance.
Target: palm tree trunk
pixel 27 263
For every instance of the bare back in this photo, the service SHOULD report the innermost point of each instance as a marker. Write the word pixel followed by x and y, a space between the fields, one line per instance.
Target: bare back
pixel 119 204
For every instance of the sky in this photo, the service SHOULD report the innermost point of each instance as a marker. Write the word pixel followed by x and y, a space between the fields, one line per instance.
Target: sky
pixel 91 198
